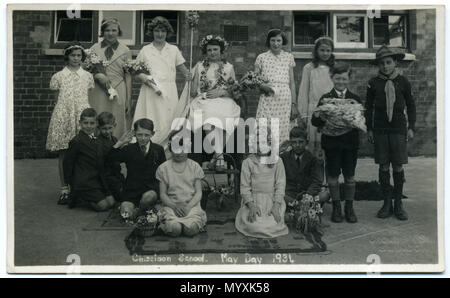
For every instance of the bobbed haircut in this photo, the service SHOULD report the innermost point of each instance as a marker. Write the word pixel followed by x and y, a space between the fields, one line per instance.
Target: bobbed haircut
pixel 144 123
pixel 161 22
pixel 108 22
pixel 273 33
pixel 74 47
pixel 213 42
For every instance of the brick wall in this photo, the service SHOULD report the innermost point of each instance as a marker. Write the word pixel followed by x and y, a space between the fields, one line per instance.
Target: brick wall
pixel 34 102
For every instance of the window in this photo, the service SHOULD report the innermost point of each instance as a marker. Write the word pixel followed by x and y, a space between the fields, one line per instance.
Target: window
pixel 171 16
pixel 127 20
pixel 309 27
pixel 390 30
pixel 350 30
pixel 73 28
pixel 235 33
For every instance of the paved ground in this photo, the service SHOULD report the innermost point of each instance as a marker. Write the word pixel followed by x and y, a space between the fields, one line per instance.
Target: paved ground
pixel 45 234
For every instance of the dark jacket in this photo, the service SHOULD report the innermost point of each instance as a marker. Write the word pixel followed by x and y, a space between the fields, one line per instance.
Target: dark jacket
pixel 84 164
pixel 376 117
pixel 112 168
pixel 141 169
pixel 348 140
pixel 306 177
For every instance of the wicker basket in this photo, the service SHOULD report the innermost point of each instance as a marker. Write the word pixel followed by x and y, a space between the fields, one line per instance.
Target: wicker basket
pixel 146 231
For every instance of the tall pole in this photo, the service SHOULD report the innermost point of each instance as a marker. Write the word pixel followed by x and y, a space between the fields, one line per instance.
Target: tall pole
pixel 190 60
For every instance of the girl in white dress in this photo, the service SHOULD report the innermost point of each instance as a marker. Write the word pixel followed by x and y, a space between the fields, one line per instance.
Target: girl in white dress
pixel 316 81
pixel 263 207
pixel 158 103
pixel 213 102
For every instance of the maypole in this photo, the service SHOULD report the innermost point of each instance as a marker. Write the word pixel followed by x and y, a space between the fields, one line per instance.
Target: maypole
pixel 192 18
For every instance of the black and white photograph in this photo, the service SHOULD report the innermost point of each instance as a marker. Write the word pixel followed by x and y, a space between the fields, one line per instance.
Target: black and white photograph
pixel 188 138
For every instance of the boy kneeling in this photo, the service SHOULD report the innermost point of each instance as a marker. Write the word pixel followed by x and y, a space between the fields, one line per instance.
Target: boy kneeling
pixel 142 158
pixel 84 168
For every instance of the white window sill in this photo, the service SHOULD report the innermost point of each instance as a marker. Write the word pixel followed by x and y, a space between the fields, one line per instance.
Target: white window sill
pixel 349 56
pixel 297 55
pixel 59 52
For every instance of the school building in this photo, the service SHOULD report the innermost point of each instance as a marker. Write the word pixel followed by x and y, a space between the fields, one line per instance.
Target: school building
pixel 40 36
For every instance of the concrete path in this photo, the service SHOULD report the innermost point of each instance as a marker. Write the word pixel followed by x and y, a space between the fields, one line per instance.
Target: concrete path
pixel 45 233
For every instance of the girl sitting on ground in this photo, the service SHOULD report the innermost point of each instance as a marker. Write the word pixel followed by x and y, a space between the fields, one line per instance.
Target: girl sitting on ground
pixel 180 192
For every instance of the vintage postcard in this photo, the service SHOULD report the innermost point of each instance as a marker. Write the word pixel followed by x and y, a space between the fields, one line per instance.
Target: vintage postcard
pixel 191 138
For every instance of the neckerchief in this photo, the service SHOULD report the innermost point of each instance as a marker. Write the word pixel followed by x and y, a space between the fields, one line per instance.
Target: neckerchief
pixel 111 47
pixel 389 89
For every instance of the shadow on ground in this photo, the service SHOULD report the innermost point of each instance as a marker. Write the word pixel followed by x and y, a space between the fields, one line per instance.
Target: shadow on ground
pixel 45 233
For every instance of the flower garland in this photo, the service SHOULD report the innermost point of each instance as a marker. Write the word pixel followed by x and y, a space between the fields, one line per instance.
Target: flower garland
pixel 205 84
pixel 208 38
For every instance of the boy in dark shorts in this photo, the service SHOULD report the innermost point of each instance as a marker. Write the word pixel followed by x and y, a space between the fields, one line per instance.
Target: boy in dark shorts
pixel 388 94
pixel 84 168
pixel 142 159
pixel 341 152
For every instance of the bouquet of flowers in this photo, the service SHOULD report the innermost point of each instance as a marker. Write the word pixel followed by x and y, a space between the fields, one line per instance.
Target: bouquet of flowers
pixel 135 67
pixel 342 115
pixel 221 192
pixel 251 80
pixel 97 67
pixel 304 213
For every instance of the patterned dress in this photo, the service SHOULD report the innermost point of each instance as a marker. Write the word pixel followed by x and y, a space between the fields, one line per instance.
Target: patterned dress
pixel 73 87
pixel 315 82
pixel 275 69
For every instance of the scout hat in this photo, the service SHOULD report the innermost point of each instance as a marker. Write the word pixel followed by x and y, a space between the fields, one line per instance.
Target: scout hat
pixel 384 51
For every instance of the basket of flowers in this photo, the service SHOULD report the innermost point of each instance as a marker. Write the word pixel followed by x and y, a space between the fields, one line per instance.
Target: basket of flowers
pixel 147 224
pixel 304 213
pixel 342 115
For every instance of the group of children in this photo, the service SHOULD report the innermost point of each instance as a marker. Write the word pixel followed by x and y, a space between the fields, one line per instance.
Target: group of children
pixel 90 168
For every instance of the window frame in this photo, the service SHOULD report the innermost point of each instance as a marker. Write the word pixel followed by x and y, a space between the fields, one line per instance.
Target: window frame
pixel 370 46
pixel 141 24
pixel 351 45
pixel 127 42
pixel 407 29
pixel 327 26
pixel 55 44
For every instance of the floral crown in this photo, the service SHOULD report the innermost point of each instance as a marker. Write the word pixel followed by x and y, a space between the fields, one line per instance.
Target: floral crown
pixel 323 38
pixel 209 38
pixel 74 47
